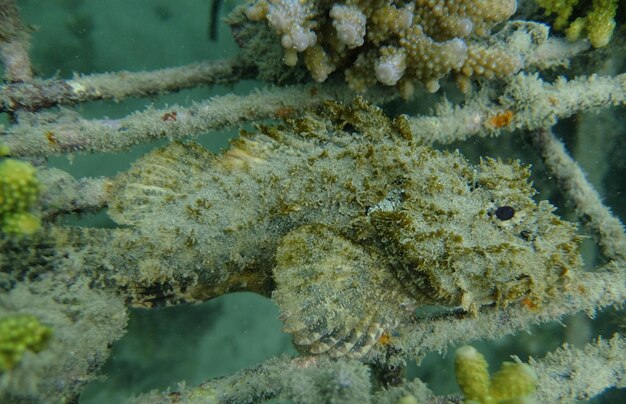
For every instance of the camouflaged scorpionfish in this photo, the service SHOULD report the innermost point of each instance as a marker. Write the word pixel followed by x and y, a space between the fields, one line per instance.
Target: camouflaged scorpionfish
pixel 345 221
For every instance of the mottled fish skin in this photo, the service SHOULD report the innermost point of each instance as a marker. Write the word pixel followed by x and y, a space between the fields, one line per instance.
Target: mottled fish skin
pixel 355 296
pixel 344 220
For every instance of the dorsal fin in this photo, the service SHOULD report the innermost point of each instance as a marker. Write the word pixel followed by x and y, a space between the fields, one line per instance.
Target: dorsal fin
pixel 156 179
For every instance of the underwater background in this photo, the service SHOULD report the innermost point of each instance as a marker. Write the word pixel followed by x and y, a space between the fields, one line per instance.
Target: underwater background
pixel 193 343
pixel 163 346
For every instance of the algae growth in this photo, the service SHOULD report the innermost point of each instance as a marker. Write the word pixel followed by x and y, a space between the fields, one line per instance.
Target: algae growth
pixel 362 232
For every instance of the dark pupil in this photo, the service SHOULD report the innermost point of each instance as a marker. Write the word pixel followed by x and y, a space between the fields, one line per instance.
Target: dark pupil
pixel 505 213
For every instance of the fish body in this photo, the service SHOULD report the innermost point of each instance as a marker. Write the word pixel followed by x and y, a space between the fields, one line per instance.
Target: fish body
pixel 345 221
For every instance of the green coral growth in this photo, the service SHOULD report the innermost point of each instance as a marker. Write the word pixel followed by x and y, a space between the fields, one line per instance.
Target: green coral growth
pixel 513 383
pixel 597 25
pixel 18 334
pixel 19 190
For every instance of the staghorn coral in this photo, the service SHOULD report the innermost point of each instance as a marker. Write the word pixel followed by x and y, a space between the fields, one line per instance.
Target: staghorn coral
pixel 597 25
pixel 395 43
pixel 512 383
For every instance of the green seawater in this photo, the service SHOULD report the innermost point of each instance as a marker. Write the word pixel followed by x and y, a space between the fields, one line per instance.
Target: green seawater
pixel 193 343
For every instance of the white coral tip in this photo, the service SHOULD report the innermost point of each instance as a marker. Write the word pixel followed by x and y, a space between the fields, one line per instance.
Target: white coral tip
pixel 277 20
pixel 458 47
pixel 405 19
pixel 349 36
pixel 301 40
pixel 286 41
pixel 255 13
pixel 291 57
pixel 387 73
pixel 432 86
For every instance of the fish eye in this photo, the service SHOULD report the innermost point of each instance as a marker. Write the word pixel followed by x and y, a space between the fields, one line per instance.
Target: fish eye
pixel 505 213
pixel 348 128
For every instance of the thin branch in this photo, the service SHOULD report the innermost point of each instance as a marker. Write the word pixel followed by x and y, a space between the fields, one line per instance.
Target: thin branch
pixel 312 379
pixel 274 378
pixel 46 93
pixel 75 134
pixel 566 374
pixel 586 201
pixel 538 104
pixel 527 103
pixel 569 374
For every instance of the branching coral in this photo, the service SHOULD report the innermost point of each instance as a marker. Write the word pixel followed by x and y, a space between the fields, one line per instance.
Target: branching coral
pixel 395 43
pixel 597 25
pixel 513 382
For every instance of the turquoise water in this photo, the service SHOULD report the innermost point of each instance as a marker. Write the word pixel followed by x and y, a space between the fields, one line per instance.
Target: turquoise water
pixel 195 343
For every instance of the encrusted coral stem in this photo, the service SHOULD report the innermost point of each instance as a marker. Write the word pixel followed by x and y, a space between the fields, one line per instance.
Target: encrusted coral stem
pixel 569 374
pixel 564 375
pixel 302 380
pixel 532 102
pixel 587 202
pixel 46 93
pixel 175 122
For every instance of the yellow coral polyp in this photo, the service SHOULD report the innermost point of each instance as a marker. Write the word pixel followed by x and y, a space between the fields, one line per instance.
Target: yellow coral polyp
pixel 18 334
pixel 25 224
pixel 597 25
pixel 471 373
pixel 19 190
pixel 514 382
pixel 601 22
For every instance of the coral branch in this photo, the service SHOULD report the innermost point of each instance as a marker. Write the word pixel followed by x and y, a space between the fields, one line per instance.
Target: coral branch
pixel 82 135
pixel 46 93
pixel 580 192
pixel 300 380
pixel 569 374
pixel 532 103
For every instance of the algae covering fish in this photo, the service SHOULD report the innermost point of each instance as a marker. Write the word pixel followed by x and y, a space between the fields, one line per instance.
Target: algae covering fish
pixel 344 220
